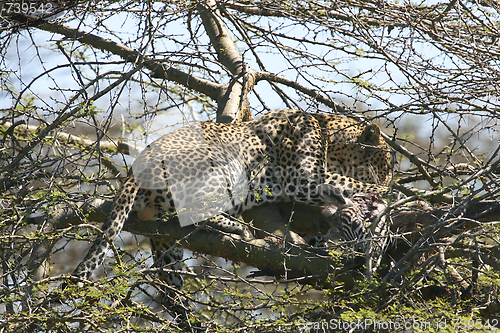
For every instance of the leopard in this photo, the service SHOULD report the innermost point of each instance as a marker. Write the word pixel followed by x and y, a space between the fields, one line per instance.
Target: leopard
pixel 201 171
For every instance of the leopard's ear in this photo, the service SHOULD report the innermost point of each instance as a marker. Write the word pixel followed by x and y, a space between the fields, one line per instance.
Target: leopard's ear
pixel 371 136
pixel 333 195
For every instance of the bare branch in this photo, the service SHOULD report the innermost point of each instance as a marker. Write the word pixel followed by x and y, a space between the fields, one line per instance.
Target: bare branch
pixel 158 68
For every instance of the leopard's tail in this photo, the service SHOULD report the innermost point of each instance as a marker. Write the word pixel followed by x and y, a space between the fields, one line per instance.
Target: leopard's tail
pixel 113 225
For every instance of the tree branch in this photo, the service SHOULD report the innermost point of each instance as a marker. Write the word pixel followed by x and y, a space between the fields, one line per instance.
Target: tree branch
pixel 27 131
pixel 220 37
pixel 234 97
pixel 268 253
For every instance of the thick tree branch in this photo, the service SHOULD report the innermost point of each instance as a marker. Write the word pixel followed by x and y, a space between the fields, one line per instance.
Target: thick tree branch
pixel 233 100
pixel 158 68
pixel 220 37
pixel 26 132
pixel 267 253
pixel 303 89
